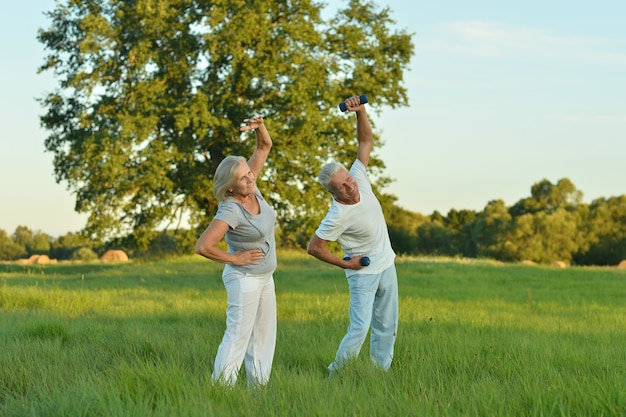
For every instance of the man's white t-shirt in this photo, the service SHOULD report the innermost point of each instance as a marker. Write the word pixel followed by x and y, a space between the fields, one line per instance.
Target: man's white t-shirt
pixel 360 228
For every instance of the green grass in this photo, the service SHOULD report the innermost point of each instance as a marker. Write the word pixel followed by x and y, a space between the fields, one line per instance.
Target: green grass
pixel 475 339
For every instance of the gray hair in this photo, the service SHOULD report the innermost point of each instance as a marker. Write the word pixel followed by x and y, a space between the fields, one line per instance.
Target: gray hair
pixel 328 172
pixel 225 176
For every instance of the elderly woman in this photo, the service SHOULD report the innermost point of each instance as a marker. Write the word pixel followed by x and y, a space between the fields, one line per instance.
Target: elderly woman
pixel 247 222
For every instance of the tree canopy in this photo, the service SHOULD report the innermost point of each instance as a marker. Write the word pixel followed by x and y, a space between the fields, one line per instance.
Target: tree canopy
pixel 151 94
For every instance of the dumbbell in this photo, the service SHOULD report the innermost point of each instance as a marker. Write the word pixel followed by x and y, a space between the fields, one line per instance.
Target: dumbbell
pixel 362 100
pixel 364 261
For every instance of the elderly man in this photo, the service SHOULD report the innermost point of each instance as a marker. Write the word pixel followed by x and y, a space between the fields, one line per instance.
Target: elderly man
pixel 356 221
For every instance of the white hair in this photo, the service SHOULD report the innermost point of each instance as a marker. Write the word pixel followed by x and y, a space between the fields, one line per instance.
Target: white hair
pixel 328 172
pixel 225 176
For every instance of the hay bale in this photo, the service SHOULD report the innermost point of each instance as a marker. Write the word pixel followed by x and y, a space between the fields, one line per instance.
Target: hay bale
pixel 114 255
pixel 43 260
pixel 528 262
pixel 33 259
pixel 559 264
pixel 622 265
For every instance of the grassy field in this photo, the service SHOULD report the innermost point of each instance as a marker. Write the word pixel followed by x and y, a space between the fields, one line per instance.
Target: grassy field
pixel 475 339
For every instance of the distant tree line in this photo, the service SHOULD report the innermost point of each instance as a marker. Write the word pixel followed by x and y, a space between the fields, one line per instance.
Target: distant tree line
pixel 551 225
pixel 24 243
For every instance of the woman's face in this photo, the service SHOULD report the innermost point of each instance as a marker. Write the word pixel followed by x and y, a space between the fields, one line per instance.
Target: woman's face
pixel 244 181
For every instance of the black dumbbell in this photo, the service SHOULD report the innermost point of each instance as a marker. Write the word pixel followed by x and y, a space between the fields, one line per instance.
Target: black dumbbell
pixel 362 99
pixel 364 261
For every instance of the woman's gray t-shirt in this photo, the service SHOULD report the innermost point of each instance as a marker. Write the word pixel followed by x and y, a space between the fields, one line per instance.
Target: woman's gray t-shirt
pixel 250 231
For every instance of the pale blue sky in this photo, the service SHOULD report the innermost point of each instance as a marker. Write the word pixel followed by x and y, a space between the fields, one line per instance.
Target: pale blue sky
pixel 502 95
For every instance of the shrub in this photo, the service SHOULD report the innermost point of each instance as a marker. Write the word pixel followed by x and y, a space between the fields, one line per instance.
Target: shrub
pixel 84 254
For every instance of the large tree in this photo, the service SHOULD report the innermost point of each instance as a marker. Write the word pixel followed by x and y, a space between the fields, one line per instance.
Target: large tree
pixel 151 94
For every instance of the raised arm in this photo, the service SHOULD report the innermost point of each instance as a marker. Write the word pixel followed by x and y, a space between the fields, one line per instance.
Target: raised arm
pixel 263 144
pixel 363 129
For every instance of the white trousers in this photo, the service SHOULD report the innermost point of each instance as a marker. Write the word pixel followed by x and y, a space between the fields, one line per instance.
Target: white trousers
pixel 373 303
pixel 250 334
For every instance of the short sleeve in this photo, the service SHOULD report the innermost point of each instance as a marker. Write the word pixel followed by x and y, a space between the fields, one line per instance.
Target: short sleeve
pixel 331 227
pixel 228 212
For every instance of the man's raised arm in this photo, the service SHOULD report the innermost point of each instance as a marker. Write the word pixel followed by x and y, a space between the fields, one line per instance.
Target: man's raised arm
pixel 363 129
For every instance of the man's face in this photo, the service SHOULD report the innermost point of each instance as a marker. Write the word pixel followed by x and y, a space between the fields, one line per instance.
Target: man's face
pixel 343 187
